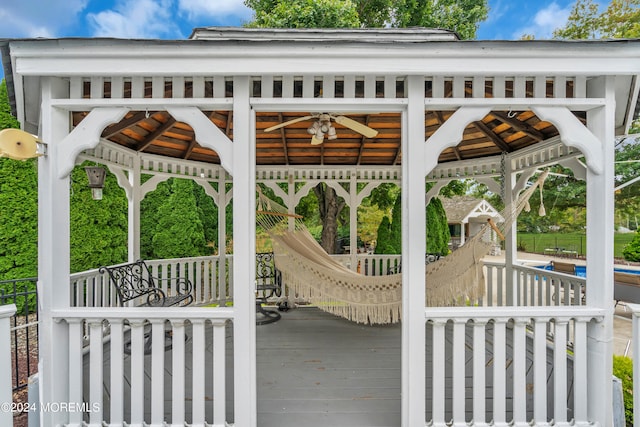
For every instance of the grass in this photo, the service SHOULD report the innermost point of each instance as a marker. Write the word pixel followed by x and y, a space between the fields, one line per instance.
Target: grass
pixel 538 242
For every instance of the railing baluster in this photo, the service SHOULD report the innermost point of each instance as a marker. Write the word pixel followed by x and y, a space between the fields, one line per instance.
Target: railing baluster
pixel 479 374
pixel 519 370
pixel 117 372
pixel 438 373
pixel 580 374
pixel 177 354
pixel 458 371
pixel 96 380
pixel 137 372
pixel 540 370
pixel 198 367
pixel 157 372
pixel 499 372
pixel 75 374
pixel 219 374
pixel 560 370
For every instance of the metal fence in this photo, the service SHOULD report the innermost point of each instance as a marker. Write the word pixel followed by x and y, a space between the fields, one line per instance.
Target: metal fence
pixel 24 327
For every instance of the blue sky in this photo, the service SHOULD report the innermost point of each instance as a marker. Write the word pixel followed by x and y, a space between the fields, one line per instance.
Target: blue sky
pixel 174 19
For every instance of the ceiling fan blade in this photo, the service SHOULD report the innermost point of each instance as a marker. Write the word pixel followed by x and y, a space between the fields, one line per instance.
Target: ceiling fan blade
pixel 287 123
pixel 316 141
pixel 357 126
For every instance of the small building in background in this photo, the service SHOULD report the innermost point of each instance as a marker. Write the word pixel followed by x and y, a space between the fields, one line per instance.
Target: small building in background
pixel 466 216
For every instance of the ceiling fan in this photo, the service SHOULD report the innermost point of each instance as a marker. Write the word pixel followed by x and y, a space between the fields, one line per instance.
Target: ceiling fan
pixel 322 126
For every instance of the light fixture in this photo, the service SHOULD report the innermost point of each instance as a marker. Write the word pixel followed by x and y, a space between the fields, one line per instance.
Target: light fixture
pixel 96 175
pixel 314 128
pixel 331 133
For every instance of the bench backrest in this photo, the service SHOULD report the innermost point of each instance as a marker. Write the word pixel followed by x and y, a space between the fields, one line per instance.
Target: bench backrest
pixel 626 278
pixel 564 267
pixel 131 280
pixel 266 272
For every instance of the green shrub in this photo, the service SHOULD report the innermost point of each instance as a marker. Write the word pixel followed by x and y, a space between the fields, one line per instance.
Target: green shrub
pixel 623 369
pixel 631 252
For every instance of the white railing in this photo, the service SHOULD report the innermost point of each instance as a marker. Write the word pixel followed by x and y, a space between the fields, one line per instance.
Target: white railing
pixel 210 281
pixel 134 343
pixel 533 287
pixel 6 415
pixel 510 350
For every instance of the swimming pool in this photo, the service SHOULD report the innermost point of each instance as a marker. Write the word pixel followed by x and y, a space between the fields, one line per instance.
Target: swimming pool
pixel 581 270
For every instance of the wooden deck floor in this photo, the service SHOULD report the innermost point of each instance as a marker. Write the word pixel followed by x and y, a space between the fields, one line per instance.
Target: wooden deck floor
pixel 315 369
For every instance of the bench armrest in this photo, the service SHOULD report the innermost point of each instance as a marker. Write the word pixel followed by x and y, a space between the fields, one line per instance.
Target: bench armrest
pixel 180 285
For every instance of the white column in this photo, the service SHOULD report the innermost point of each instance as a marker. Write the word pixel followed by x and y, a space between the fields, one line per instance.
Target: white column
pixel 221 202
pixel 135 196
pixel 413 248
pixel 53 256
pixel 6 311
pixel 600 208
pixel 244 207
pixel 511 233
pixel 353 222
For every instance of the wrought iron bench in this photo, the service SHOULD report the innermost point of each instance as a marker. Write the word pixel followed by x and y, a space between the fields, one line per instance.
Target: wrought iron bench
pixel 268 286
pixel 134 282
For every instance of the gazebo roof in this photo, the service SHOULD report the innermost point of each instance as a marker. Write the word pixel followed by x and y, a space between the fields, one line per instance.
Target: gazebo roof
pixel 155 131
pixel 460 209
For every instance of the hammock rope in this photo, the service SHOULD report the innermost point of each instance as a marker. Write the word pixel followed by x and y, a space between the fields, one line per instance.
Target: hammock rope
pixel 315 276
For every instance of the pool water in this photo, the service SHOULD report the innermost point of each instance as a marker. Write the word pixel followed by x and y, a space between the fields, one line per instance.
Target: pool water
pixel 581 270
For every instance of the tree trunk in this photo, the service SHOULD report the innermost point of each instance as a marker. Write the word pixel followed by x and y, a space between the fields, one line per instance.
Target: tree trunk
pixel 330 208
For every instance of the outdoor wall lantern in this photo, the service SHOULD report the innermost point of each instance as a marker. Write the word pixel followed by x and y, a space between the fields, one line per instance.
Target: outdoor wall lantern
pixel 96 175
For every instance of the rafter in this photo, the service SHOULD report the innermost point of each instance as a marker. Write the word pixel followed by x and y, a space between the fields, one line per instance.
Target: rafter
pixel 519 125
pixel 492 136
pixel 155 134
pixel 124 124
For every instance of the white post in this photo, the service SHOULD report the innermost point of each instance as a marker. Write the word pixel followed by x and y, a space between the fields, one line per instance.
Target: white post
pixel 6 311
pixel 353 222
pixel 413 248
pixel 600 218
pixel 53 255
pixel 221 202
pixel 244 236
pixel 135 196
pixel 511 234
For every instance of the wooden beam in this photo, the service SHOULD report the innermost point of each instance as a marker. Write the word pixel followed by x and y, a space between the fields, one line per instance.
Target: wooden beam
pixel 283 135
pixel 503 146
pixel 519 125
pixel 155 134
pixel 124 124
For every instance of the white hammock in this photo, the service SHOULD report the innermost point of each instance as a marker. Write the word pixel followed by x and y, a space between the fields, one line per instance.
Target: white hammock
pixel 315 276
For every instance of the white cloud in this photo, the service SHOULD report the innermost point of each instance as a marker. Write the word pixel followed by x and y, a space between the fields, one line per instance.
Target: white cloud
pixel 196 10
pixel 545 21
pixel 135 19
pixel 38 18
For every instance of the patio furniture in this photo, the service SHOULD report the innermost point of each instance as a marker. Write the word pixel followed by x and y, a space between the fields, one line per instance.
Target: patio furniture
pixel 626 287
pixel 268 286
pixel 134 281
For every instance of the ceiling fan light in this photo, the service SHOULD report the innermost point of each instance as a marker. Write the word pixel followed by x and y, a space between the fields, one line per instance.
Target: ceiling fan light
pixel 331 133
pixel 325 126
pixel 314 128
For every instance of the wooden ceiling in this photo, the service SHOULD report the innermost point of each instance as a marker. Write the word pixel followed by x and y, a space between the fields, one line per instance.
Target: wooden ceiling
pixel 159 133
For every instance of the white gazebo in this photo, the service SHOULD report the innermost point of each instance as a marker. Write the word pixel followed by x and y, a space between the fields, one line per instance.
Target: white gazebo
pixel 442 109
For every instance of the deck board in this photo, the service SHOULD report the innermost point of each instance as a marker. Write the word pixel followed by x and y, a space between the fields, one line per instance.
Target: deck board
pixel 316 369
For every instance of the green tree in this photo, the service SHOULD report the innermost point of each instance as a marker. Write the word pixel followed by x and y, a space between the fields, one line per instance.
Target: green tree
pixel 461 16
pixel 98 227
pixel 303 14
pixel 438 234
pixel 620 19
pixel 383 240
pixel 179 232
pixel 19 212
